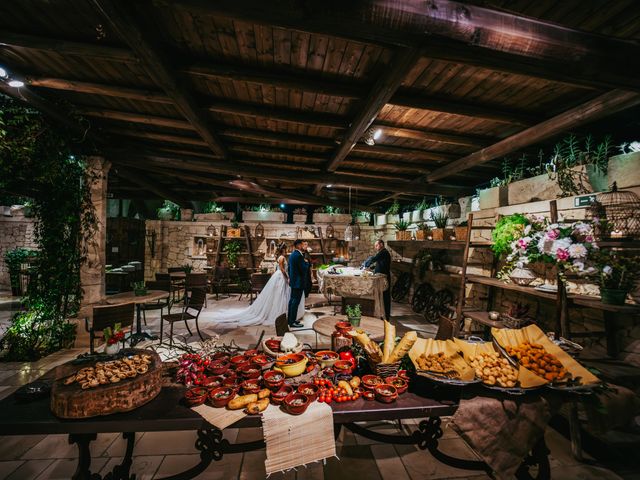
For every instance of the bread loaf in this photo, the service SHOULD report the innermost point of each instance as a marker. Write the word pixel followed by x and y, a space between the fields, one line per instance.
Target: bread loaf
pixel 403 347
pixel 389 341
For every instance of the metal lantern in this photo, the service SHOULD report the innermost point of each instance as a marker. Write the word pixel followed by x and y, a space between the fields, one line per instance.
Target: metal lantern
pixel 355 228
pixel 348 233
pixel 330 231
pixel 259 231
pixel 619 212
pixel 211 231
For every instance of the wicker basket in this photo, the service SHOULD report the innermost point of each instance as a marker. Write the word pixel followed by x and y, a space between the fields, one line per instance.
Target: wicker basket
pixel 438 234
pixel 461 233
pixel 422 234
pixel 512 322
pixel 386 369
pixel 403 235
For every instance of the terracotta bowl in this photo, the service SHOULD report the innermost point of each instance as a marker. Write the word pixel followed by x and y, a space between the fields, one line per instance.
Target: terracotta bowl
pixel 196 396
pixel 278 397
pixel 220 356
pixel 326 358
pixel 218 367
pixel 310 390
pixel 370 381
pixel 296 403
pixel 249 371
pixel 345 326
pixel 404 375
pixel 232 381
pixel 238 360
pixel 250 386
pixel 261 360
pixel 386 393
pixel 273 344
pixel 213 381
pixel 219 397
pixel 292 364
pixel 400 383
pixel 251 353
pixel 368 395
pixel 343 367
pixel 273 380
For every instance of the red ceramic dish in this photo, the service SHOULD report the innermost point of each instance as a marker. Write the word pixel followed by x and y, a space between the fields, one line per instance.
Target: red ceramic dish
pixel 213 382
pixel 196 396
pixel 238 360
pixel 343 326
pixel 232 381
pixel 220 356
pixel 250 386
pixel 273 344
pixel 273 380
pixel 251 353
pixel 296 403
pixel 278 397
pixel 261 360
pixel 386 393
pixel 218 367
pixel 400 383
pixel 368 395
pixel 219 397
pixel 370 381
pixel 290 359
pixel 249 371
pixel 404 375
pixel 310 390
pixel 343 366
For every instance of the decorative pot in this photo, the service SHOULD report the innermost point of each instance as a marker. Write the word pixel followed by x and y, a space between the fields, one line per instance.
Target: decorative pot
pixel 461 233
pixel 165 214
pixel 612 296
pixel 403 235
pixel 522 276
pixel 437 234
pixel 140 292
pixel 112 349
pixel 234 232
pixel 354 321
pixel 422 234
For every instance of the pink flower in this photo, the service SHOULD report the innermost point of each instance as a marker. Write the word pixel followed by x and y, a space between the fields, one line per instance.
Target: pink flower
pixel 562 254
pixel 589 239
pixel 522 243
pixel 553 234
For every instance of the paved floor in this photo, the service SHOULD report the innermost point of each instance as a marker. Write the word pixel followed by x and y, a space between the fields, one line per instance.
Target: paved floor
pixel 160 454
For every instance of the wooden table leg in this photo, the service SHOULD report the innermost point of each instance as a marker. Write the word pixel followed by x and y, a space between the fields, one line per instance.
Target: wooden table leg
pixel 611 331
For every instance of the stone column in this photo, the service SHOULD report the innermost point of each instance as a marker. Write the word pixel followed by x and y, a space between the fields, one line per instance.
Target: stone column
pixel 92 271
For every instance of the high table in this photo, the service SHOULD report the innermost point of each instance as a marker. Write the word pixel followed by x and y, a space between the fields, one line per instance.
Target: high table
pixel 374 327
pixel 353 283
pixel 139 300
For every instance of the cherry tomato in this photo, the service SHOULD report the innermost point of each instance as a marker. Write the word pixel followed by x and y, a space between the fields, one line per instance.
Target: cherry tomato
pixel 328 399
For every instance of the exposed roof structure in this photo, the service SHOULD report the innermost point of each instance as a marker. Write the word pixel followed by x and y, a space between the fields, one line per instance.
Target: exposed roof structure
pixel 248 99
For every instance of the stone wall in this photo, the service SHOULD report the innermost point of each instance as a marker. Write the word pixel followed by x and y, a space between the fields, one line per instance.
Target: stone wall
pixel 15 231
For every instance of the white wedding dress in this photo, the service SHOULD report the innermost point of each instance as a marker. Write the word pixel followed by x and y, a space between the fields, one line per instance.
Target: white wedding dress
pixel 272 302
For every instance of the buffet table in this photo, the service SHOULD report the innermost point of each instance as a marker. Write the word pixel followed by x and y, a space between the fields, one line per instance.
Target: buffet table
pixel 354 283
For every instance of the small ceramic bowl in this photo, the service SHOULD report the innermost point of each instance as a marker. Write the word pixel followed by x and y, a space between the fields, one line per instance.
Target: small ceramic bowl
pixel 292 364
pixel 386 393
pixel 219 397
pixel 370 381
pixel 250 386
pixel 251 353
pixel 296 403
pixel 346 326
pixel 218 367
pixel 220 356
pixel 238 360
pixel 368 395
pixel 310 390
pixel 273 380
pixel 232 381
pixel 261 360
pixel 249 371
pixel 278 397
pixel 273 344
pixel 213 381
pixel 343 367
pixel 326 358
pixel 400 383
pixel 404 375
pixel 196 396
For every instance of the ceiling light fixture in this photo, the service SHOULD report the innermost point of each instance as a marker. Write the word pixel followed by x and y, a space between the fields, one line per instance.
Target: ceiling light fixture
pixel 16 83
pixel 377 134
pixel 3 73
pixel 368 137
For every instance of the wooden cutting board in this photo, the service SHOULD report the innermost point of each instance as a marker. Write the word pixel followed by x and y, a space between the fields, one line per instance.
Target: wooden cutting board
pixel 71 401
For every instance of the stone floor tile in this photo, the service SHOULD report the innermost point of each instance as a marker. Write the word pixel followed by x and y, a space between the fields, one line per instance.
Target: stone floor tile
pixel 225 469
pixel 167 443
pixel 63 468
pixel 583 472
pixel 252 467
pixel 354 461
pixel 560 449
pixel 30 469
pixel 52 447
pixel 13 447
pixel 420 464
pixel 388 462
pixel 143 467
pixel 118 447
pixel 23 377
pixel 7 468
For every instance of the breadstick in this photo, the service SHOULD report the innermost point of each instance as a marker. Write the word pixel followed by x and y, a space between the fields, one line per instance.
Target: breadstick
pixel 403 347
pixel 371 348
pixel 389 341
pixel 242 401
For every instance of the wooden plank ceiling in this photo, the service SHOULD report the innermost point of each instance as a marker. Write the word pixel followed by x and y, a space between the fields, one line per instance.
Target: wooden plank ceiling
pixel 254 100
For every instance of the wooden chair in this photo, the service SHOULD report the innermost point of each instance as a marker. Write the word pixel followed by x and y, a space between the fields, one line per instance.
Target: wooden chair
pixel 221 281
pixel 176 286
pixel 367 305
pixel 191 311
pixel 164 285
pixel 244 282
pixel 195 281
pixel 258 282
pixel 107 316
pixel 282 327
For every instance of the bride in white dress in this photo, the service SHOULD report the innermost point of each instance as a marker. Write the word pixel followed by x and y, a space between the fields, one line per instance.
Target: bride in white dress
pixel 270 303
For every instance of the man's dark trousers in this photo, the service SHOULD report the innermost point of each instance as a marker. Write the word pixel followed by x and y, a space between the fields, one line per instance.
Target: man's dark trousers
pixel 386 297
pixel 294 303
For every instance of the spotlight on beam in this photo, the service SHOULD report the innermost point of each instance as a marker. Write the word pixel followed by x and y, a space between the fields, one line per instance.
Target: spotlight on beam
pixel 3 73
pixel 16 83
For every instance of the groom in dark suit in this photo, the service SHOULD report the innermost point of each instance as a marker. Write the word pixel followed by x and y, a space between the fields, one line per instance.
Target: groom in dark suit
pixel 298 267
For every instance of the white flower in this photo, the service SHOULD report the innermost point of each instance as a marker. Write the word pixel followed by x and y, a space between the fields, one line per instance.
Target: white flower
pixel 578 250
pixel 607 270
pixel 578 265
pixel 563 243
pixel 527 229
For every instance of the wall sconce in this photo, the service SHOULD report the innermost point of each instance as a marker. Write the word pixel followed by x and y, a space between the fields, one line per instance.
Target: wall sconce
pixel 151 236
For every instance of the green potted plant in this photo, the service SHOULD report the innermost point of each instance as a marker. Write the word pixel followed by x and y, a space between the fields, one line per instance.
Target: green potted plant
pixel 401 230
pixel 300 215
pixel 14 259
pixel 423 232
pixel 187 268
pixel 232 250
pixel 508 229
pixel 234 230
pixel 617 275
pixel 354 314
pixel 418 210
pixel 440 220
pixel 139 288
pixel 169 211
pixel 264 213
pixel 331 214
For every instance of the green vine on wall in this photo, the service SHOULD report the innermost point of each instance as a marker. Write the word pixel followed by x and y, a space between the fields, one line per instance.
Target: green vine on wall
pixel 37 161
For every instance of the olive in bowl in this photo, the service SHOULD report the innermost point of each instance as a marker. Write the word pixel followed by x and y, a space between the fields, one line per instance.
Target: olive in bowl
pixel 371 381
pixel 250 386
pixel 196 396
pixel 278 397
pixel 273 380
pixel 219 397
pixel 249 371
pixel 400 383
pixel 326 358
pixel 218 367
pixel 310 390
pixel 296 403
pixel 386 393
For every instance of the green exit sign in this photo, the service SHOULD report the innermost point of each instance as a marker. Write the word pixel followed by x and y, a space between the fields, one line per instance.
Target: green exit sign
pixel 584 200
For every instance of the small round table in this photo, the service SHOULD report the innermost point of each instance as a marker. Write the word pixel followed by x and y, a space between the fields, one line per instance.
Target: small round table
pixel 327 325
pixel 139 300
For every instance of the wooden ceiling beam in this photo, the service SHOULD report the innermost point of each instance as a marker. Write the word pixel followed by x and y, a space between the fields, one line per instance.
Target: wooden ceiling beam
pixel 98 89
pixel 66 47
pixel 159 68
pixel 406 23
pixel 132 117
pixel 404 152
pixel 161 137
pixel 269 136
pixel 602 106
pixel 139 177
pixel 431 135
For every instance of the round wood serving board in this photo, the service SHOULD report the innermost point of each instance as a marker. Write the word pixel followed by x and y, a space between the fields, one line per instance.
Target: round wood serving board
pixel 71 401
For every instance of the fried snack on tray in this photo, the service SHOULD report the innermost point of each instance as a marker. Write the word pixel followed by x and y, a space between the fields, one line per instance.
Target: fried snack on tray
pixel 494 370
pixel 438 363
pixel 103 373
pixel 535 358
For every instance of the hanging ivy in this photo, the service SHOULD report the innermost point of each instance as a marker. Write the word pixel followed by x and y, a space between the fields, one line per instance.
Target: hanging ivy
pixel 37 161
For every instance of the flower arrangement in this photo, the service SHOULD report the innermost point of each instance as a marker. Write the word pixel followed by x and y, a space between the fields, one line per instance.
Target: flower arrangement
pixel 617 275
pixel 113 336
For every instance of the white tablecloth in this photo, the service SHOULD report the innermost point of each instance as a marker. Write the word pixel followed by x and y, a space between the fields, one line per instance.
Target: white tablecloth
pixel 352 283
